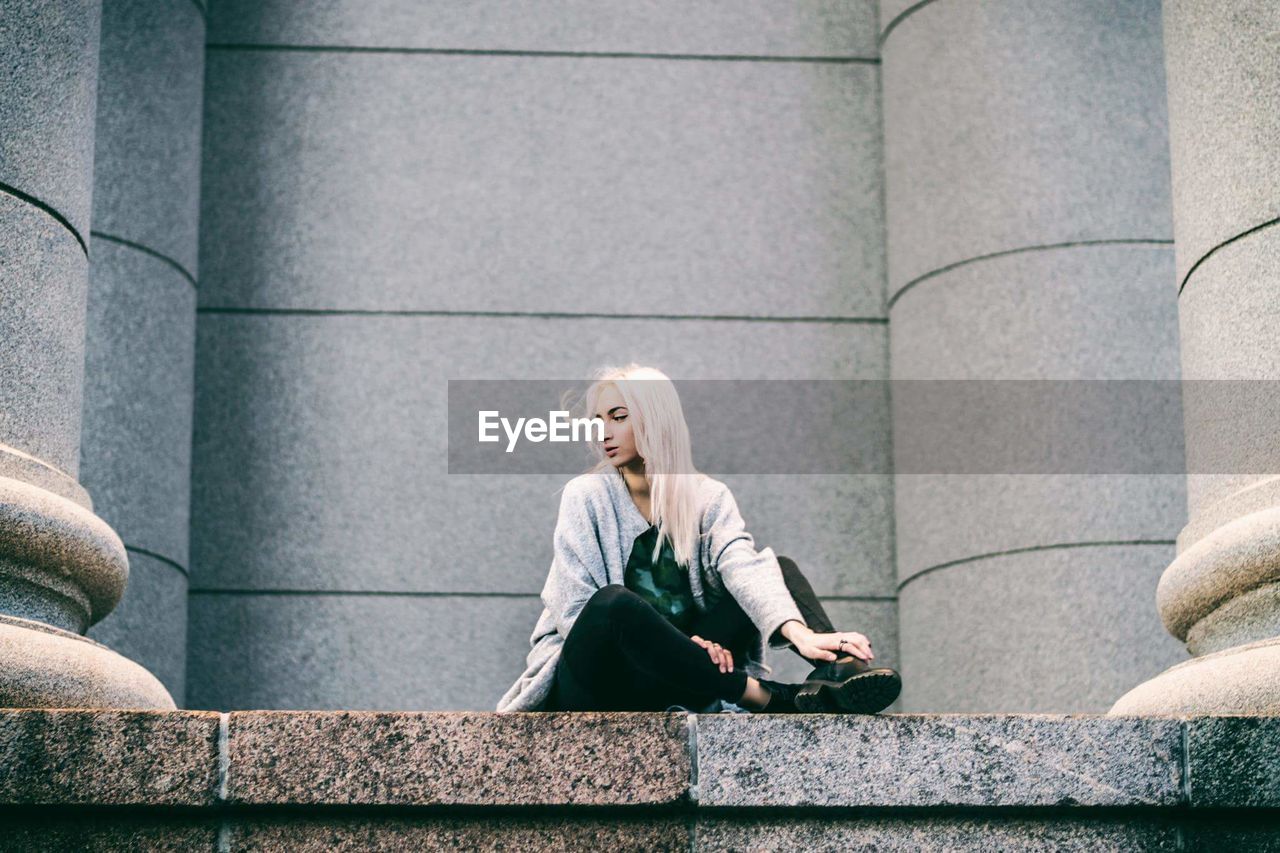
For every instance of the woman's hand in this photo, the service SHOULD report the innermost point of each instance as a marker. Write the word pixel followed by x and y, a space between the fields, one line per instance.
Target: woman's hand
pixel 721 656
pixel 831 646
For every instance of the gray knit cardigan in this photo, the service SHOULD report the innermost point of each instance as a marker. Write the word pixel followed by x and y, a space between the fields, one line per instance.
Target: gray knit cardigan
pixel 596 529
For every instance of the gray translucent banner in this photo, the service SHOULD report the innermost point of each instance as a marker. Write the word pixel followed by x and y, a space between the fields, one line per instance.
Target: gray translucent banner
pixel 895 426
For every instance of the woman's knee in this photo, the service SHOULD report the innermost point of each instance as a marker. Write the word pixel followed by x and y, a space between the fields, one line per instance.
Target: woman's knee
pixel 611 597
pixel 615 603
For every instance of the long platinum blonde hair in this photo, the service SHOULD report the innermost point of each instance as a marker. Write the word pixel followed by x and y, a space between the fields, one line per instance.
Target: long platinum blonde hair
pixel 662 441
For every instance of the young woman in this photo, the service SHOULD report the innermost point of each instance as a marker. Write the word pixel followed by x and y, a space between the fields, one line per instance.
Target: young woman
pixel 656 591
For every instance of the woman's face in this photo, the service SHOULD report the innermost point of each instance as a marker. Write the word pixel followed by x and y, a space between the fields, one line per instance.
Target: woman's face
pixel 619 442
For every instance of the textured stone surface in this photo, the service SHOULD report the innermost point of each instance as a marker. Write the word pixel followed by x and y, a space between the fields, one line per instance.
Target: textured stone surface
pixel 1240 680
pixel 99 831
pixel 366 652
pixel 108 757
pixel 149 625
pixel 756 27
pixel 1228 332
pixel 1215 594
pixel 1079 312
pixel 1234 761
pixel 837 527
pixel 936 833
pixel 50 544
pixel 457 759
pixel 47 667
pixel 542 184
pixel 41 345
pixel 944 518
pixel 1224 110
pixel 27 832
pixel 138 393
pixel 516 833
pixel 1066 629
pixel 50 82
pixel 895 12
pixel 140 328
pixel 944 760
pixel 147 154
pixel 1238 832
pixel 1054 131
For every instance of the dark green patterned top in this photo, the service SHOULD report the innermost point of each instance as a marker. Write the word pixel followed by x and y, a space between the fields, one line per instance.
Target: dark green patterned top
pixel 665 584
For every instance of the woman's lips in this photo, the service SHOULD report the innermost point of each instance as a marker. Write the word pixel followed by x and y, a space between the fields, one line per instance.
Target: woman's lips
pixel 609 451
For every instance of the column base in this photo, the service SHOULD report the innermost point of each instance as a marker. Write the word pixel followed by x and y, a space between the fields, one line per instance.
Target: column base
pixel 1240 680
pixel 46 667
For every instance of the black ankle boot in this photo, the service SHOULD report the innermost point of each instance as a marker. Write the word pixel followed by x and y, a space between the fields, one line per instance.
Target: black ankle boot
pixel 782 697
pixel 853 687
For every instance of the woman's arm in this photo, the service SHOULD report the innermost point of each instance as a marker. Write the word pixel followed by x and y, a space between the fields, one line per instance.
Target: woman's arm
pixel 752 577
pixel 577 565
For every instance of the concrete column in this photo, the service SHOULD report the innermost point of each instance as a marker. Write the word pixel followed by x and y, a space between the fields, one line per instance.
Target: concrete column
pixel 1029 237
pixel 1221 595
pixel 62 568
pixel 140 340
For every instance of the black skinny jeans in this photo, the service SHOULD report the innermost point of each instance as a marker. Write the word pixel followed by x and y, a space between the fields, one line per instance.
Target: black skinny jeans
pixel 623 655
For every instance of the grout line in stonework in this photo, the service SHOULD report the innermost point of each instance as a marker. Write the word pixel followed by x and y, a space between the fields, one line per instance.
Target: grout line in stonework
pixel 224 763
pixel 537 315
pixel 567 54
pixel 692 728
pixel 1186 762
pixel 1102 543
pixel 1186 278
pixel 1073 244
pixel 58 217
pixel 899 18
pixel 173 564
pixel 146 250
pixel 224 757
pixel 691 820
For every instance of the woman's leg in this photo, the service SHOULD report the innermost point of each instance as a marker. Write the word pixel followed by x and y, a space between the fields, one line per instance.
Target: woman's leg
pixel 622 655
pixel 815 616
pixel 810 608
pixel 728 625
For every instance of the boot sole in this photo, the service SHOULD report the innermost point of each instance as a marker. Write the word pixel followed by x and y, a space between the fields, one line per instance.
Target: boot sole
pixel 866 693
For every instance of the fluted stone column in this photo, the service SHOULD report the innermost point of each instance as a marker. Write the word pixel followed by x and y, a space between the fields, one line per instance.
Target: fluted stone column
pixel 140 330
pixel 1029 236
pixel 1221 595
pixel 62 568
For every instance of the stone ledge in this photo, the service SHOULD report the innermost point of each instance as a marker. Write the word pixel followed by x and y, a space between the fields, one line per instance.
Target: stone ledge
pixel 913 760
pixel 456 758
pixel 672 762
pixel 115 758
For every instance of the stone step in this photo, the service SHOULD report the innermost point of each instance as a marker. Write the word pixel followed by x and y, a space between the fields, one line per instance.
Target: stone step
pixel 254 779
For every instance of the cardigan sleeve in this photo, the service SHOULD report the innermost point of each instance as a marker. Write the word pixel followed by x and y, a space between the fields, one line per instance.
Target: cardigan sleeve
pixel 753 578
pixel 577 565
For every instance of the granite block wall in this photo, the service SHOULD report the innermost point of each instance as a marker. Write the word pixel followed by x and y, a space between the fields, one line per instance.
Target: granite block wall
pixel 392 199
